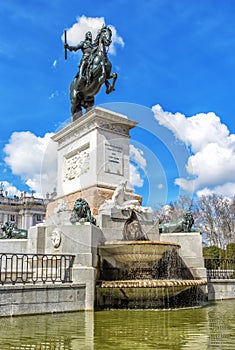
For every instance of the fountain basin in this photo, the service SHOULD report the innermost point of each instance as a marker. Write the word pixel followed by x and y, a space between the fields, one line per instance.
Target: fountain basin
pixel 146 289
pixel 144 274
pixel 136 251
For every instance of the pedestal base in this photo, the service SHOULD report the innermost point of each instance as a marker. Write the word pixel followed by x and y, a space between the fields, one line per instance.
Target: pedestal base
pixel 95 196
pixel 190 252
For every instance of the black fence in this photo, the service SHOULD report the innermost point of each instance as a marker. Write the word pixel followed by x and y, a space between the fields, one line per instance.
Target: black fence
pixel 35 268
pixel 220 268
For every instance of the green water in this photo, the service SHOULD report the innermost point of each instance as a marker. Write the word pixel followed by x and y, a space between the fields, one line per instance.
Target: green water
pixel 211 327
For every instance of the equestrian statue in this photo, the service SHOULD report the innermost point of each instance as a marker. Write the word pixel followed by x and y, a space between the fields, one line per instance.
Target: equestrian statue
pixel 95 69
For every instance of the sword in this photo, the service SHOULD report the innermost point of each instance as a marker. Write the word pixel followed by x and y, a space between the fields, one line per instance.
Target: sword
pixel 65 41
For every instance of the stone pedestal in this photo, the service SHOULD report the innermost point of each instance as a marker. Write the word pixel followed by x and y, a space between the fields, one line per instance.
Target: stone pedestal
pixel 36 239
pixel 190 251
pixel 81 240
pixel 93 157
pixel 78 239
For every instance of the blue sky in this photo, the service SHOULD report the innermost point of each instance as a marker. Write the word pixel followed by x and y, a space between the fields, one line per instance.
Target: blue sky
pixel 176 76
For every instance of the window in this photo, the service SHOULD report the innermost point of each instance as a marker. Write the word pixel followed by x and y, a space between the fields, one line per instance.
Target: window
pixel 12 218
pixel 39 217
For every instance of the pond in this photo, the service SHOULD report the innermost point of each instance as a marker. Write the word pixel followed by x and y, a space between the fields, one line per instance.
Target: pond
pixel 210 327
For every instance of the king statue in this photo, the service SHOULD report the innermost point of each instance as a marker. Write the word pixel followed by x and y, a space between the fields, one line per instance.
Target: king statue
pixel 95 69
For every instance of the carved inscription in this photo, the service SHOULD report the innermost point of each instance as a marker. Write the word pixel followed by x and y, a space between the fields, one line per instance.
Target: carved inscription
pixel 113 159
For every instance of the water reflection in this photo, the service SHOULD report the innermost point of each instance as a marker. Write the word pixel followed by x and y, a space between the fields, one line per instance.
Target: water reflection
pixel 176 329
pixel 211 327
pixel 48 332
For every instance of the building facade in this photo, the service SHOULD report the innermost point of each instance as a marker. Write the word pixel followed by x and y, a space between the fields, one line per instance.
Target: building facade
pixel 24 211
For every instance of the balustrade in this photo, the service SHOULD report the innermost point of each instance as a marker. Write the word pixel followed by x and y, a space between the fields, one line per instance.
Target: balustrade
pixel 220 268
pixel 35 268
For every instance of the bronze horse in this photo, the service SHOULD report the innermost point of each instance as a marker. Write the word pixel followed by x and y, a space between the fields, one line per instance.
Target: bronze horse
pixel 98 71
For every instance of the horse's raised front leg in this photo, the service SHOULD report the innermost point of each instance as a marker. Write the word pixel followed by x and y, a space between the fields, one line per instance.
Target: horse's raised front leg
pixel 110 87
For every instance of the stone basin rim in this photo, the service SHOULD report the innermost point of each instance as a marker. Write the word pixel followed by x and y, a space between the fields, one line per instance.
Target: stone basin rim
pixel 152 283
pixel 122 243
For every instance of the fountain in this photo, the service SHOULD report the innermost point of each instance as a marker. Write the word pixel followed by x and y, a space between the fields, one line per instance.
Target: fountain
pixel 137 272
pixel 134 267
pixel 132 275
pixel 121 258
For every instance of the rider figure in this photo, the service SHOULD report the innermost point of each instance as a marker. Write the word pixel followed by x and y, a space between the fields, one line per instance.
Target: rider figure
pixel 86 46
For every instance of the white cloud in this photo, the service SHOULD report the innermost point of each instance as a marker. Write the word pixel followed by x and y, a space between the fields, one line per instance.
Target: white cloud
pixel 187 185
pixel 137 166
pixel 116 39
pixel 77 32
pixel 135 177
pixel 137 155
pixel 10 189
pixel 226 190
pixel 196 131
pixel 211 166
pixel 33 158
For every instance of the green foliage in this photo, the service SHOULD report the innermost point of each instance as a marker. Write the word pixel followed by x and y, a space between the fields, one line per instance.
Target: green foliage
pixel 230 251
pixel 213 252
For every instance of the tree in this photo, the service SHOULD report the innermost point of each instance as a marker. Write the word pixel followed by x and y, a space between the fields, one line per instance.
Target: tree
pixel 174 210
pixel 230 251
pixel 215 217
pixel 213 214
pixel 213 252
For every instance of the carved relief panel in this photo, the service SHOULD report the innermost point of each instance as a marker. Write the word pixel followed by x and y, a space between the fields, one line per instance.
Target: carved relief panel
pixel 76 163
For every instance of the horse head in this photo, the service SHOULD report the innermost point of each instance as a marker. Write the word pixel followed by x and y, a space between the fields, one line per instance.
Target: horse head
pixel 104 36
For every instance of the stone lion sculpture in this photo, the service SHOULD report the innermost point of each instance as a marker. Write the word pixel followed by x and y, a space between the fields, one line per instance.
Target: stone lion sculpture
pixel 82 212
pixel 183 224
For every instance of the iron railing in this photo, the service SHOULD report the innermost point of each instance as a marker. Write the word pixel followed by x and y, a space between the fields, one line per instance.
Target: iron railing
pixel 35 268
pixel 220 268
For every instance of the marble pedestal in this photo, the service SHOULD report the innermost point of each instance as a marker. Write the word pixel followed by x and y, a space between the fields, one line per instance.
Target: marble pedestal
pixel 93 158
pixel 190 251
pixel 81 240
